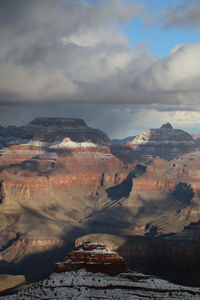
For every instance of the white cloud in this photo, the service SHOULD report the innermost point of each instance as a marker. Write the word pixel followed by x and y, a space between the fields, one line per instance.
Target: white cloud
pixel 180 71
pixel 73 51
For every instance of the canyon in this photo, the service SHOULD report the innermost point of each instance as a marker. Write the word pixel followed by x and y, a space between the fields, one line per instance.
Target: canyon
pixel 61 180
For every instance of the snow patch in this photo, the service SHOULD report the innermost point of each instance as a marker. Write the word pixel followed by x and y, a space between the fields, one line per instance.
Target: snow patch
pixel 72 144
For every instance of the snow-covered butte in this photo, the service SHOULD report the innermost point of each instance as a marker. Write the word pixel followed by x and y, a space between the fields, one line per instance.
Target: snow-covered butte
pixel 166 134
pixel 165 142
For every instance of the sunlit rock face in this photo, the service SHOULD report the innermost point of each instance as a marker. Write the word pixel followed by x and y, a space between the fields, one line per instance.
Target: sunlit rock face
pixel 94 257
pixel 165 142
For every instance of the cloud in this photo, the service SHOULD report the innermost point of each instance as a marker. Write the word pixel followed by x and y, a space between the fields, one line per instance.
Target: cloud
pixel 187 14
pixel 178 74
pixel 58 49
pixel 68 53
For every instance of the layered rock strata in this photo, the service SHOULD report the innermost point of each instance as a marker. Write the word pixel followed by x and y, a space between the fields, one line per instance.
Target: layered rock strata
pixel 53 173
pixel 94 258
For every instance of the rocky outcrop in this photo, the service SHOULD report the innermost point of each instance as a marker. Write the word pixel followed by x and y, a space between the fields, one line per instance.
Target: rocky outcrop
pixel 165 142
pixel 93 257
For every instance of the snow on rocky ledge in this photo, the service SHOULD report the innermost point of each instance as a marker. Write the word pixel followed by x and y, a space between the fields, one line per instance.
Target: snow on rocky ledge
pixel 166 134
pixel 68 143
pixel 83 285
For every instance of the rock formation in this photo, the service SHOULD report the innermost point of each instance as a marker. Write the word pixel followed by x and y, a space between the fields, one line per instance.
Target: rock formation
pixel 93 257
pixel 165 142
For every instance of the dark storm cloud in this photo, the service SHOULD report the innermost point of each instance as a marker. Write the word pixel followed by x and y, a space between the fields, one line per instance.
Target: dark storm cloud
pixel 183 15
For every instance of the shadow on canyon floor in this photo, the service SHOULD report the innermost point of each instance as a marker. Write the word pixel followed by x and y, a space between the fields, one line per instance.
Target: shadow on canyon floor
pixel 176 261
pixel 39 265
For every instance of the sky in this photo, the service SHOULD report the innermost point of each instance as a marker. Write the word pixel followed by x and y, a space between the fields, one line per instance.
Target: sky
pixel 121 65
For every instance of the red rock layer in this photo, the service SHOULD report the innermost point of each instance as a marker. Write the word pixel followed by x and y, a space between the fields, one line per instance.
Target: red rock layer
pixel 91 166
pixel 94 258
